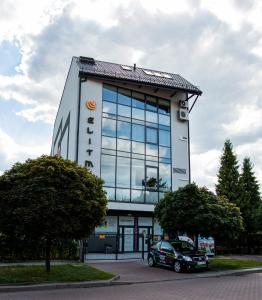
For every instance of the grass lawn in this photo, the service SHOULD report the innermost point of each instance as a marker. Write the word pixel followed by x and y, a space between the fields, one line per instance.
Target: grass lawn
pixel 59 273
pixel 220 264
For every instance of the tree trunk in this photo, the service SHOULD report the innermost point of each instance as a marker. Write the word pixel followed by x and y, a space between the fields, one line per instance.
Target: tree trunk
pixel 81 252
pixel 47 255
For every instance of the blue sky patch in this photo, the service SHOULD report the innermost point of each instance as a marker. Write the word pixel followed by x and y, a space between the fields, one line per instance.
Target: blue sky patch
pixel 10 58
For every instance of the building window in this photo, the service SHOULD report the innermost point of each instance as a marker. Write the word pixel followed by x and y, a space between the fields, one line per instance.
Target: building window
pixel 151 135
pixel 136 148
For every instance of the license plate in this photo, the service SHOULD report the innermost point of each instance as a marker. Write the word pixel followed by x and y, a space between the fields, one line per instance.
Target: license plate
pixel 201 263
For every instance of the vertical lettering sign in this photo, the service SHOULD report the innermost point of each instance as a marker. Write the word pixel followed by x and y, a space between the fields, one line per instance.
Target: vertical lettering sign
pixel 91 105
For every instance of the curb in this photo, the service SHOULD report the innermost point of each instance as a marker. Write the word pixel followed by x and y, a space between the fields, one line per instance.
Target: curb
pixel 54 286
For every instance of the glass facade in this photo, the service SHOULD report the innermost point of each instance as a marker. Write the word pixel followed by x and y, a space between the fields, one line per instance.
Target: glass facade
pixel 136 146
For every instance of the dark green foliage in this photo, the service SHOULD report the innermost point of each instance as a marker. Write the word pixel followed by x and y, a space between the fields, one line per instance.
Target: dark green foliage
pixel 24 249
pixel 249 196
pixel 195 210
pixel 258 219
pixel 228 174
pixel 48 199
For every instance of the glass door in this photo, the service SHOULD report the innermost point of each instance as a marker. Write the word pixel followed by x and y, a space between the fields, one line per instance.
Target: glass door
pixel 146 232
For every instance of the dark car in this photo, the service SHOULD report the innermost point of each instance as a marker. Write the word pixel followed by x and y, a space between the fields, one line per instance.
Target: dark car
pixel 178 255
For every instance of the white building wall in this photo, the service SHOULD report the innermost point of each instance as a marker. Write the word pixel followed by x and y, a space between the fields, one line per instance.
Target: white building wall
pixel 68 104
pixel 90 90
pixel 179 143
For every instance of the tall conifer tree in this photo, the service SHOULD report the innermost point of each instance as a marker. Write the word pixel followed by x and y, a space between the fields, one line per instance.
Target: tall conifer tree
pixel 249 197
pixel 228 174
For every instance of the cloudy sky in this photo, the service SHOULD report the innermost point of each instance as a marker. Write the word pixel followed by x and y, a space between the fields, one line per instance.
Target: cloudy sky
pixel 216 45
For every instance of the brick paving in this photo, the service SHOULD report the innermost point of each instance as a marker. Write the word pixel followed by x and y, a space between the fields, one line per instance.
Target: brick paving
pixel 223 288
pixel 138 271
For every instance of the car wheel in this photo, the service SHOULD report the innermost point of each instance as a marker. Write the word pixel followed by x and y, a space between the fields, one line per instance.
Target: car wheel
pixel 151 261
pixel 177 267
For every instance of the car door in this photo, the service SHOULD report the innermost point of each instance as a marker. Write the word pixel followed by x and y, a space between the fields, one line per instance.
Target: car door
pixel 166 253
pixel 156 252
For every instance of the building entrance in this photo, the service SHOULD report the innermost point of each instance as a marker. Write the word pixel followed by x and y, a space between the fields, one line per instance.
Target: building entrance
pixel 133 240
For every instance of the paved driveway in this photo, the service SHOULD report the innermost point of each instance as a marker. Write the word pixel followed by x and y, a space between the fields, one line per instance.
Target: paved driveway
pixel 138 271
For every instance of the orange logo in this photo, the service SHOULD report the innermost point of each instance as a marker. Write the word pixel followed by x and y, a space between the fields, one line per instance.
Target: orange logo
pixel 91 104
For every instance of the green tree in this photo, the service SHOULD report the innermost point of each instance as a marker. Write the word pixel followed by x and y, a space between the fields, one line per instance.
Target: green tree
pixel 50 198
pixel 249 196
pixel 195 211
pixel 228 174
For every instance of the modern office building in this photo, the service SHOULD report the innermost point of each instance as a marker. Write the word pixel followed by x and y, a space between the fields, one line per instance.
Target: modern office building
pixel 129 125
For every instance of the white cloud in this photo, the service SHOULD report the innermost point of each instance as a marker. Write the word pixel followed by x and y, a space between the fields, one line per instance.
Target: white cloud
pixel 205 167
pixel 246 118
pixel 11 151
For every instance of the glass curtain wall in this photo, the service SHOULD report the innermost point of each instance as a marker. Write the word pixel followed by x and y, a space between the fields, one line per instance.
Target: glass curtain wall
pixel 136 146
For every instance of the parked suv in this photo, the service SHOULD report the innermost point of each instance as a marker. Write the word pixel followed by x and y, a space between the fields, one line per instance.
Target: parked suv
pixel 179 255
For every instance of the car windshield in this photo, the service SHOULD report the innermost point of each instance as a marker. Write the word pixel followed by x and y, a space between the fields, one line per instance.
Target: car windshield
pixel 182 246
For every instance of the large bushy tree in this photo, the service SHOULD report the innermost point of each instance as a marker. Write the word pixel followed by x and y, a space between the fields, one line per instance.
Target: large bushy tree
pixel 228 174
pixel 249 196
pixel 50 198
pixel 195 211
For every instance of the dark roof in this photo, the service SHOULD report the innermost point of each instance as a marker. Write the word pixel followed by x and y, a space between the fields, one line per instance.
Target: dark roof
pixel 102 69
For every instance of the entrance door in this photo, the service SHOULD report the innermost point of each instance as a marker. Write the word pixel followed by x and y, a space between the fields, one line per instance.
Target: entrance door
pixel 126 241
pixel 147 232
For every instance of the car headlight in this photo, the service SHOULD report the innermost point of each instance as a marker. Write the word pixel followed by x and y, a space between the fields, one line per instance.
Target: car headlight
pixel 187 258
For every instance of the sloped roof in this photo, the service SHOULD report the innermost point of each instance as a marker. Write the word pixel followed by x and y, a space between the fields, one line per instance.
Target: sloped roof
pixel 102 69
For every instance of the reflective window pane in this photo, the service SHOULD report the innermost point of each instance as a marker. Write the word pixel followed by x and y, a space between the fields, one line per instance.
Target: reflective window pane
pixel 164 120
pixel 164 177
pixel 138 147
pixel 165 160
pixel 138 100
pixel 110 152
pixel 135 121
pixel 152 161
pixel 161 195
pixel 108 142
pixel 151 117
pixel 138 156
pixel 138 132
pixel 137 196
pixel 109 127
pixel 123 154
pixel 151 103
pixel 109 108
pixel 124 111
pixel 151 135
pixel 151 178
pixel 123 172
pixel 109 93
pixel 138 173
pixel 123 130
pixel 110 193
pixel 124 96
pixel 151 197
pixel 163 106
pixel 138 114
pixel 123 145
pixel 123 195
pixel 151 150
pixel 108 164
pixel 164 152
pixel 164 138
